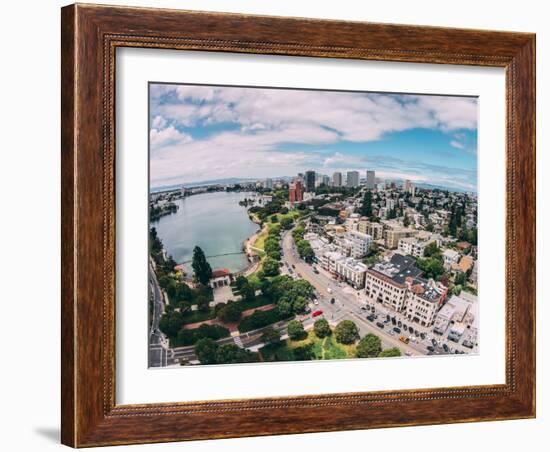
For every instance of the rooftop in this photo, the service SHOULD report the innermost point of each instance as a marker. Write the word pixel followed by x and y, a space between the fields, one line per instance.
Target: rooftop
pixel 220 272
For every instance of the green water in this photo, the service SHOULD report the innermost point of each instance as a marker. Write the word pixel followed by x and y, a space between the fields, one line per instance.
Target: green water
pixel 213 221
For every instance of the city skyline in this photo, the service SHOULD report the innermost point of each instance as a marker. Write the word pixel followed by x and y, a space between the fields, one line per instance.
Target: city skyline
pixel 248 133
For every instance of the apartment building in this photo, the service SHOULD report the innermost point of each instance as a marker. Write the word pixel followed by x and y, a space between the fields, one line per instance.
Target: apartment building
pixel 375 230
pixel 397 284
pixel 415 246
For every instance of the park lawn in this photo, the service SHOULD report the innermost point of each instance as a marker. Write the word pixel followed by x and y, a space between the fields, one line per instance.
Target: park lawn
pixel 258 245
pixel 326 348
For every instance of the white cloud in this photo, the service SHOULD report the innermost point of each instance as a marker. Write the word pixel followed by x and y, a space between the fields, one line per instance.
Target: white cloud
pixel 158 122
pixel 162 137
pixel 457 144
pixel 267 119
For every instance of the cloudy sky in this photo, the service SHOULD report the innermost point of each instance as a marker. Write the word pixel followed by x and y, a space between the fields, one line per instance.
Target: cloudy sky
pixel 200 133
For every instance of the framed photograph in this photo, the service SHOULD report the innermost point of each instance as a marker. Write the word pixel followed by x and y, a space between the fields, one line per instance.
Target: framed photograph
pixel 281 225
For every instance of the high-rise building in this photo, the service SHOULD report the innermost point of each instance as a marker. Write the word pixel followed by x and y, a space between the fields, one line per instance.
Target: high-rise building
pixel 352 179
pixel 310 181
pixel 269 184
pixel 409 187
pixel 371 179
pixel 337 179
pixel 296 191
pixel 325 180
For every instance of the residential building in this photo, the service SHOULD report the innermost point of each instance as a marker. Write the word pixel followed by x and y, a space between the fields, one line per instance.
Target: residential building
pixel 351 271
pixel 296 191
pixel 375 230
pixel 450 257
pixel 424 299
pixel 337 179
pixel 386 282
pixel 354 243
pixel 454 310
pixel 342 267
pixel 398 285
pixel 415 246
pixel 393 235
pixel 310 181
pixel 465 264
pixel 371 179
pixel 352 179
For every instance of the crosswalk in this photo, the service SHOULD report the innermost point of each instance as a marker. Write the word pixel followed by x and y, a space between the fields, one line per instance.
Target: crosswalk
pixel 238 341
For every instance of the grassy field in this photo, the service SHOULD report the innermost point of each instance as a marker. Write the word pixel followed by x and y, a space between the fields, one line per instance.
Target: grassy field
pixel 326 348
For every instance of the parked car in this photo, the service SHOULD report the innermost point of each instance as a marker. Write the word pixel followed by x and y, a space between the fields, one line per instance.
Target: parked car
pixel 370 318
pixel 397 330
pixel 317 313
pixel 380 325
pixel 332 300
pixel 430 348
pixel 404 339
pixel 315 271
pixel 434 342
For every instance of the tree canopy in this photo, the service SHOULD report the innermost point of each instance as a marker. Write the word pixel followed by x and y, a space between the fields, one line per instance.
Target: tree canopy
pixel 295 330
pixel 346 332
pixel 369 346
pixel 321 328
pixel 201 267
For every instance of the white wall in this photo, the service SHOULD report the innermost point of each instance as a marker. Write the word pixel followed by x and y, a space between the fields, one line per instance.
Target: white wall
pixel 29 391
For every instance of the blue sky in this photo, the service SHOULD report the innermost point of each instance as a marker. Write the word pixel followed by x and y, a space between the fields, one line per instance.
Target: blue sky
pixel 205 132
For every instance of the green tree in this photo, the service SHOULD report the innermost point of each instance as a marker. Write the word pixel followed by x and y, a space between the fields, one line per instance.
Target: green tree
pixel 390 353
pixel 369 346
pixel 366 206
pixel 171 322
pixel 431 267
pixel 286 223
pixel 247 292
pixel 240 282
pixel 460 278
pixel 270 336
pixel 231 312
pixel 346 332
pixel 271 244
pixel 432 250
pixel 203 304
pixel 295 330
pixel 201 267
pixel 270 267
pixel 274 219
pixel 206 350
pixel 321 328
pixel 232 354
pixel 305 251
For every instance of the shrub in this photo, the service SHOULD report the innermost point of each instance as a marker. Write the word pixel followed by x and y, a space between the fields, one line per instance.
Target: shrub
pixel 346 332
pixel 321 328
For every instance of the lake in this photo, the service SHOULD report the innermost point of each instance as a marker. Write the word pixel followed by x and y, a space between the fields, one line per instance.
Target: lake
pixel 215 222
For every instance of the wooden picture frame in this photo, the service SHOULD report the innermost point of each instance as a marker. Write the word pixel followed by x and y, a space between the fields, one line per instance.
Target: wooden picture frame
pixel 90 35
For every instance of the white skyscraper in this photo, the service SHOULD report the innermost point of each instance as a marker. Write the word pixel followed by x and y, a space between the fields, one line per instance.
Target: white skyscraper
pixel 269 184
pixel 371 180
pixel 352 179
pixel 337 179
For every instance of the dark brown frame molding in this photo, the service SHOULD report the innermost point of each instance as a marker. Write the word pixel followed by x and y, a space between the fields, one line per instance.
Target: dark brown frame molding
pixel 90 35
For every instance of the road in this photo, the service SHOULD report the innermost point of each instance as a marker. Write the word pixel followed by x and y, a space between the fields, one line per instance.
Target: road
pixel 346 306
pixel 158 344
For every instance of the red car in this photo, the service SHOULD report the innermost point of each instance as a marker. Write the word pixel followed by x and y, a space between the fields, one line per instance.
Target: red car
pixel 316 313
